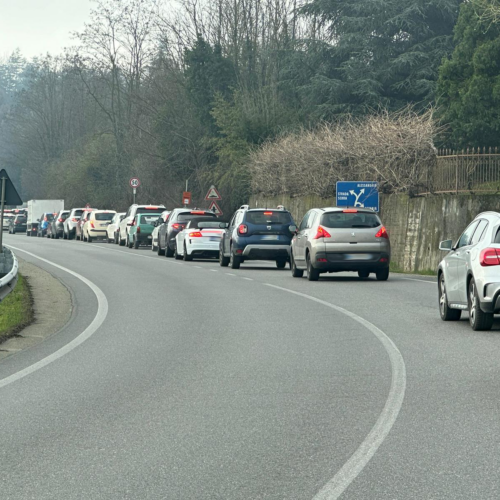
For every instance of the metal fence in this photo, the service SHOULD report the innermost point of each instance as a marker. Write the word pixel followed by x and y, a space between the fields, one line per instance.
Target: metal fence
pixel 9 280
pixel 475 170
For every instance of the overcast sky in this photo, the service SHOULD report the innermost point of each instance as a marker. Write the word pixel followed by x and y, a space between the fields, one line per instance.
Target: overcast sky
pixel 40 26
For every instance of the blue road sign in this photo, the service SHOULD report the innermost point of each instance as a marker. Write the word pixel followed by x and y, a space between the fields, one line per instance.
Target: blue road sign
pixel 358 195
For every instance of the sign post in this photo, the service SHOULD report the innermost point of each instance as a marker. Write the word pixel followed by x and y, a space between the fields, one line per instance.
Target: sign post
pixel 134 184
pixel 358 195
pixel 9 197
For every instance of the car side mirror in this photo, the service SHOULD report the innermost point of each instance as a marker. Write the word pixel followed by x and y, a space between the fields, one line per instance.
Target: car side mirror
pixel 446 245
pixel 292 228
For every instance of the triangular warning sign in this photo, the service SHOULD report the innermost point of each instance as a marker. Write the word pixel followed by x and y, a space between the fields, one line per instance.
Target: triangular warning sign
pixel 215 208
pixel 11 195
pixel 213 194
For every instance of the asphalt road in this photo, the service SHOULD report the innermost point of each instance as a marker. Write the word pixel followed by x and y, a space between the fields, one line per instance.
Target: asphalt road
pixel 183 381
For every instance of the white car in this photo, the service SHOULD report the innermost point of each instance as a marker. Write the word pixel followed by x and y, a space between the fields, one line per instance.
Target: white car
pixel 126 222
pixel 112 229
pixel 6 221
pixel 154 236
pixel 201 238
pixel 97 224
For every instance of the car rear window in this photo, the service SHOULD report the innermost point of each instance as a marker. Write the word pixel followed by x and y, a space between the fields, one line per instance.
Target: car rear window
pixel 194 223
pixel 21 218
pixel 265 217
pixel 148 219
pixel 77 213
pixel 104 216
pixel 339 220
pixel 49 217
pixel 187 216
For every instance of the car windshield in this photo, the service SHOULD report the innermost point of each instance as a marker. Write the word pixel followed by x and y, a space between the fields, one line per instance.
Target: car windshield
pixel 187 216
pixel 148 219
pixel 266 217
pixel 350 220
pixel 104 216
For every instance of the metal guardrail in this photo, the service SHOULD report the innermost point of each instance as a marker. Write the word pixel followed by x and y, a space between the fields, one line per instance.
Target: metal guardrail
pixel 9 281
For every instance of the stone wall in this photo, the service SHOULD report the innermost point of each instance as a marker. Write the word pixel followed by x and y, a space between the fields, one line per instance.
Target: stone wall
pixel 415 225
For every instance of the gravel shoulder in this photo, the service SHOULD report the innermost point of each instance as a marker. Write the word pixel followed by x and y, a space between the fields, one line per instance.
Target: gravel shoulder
pixel 52 305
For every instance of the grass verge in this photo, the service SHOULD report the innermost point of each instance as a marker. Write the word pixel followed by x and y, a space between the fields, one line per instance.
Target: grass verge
pixel 16 311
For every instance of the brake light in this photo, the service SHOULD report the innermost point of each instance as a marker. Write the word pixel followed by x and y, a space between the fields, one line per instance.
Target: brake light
pixel 268 213
pixel 176 226
pixel 60 220
pixel 242 229
pixel 138 229
pixel 151 208
pixel 196 234
pixel 92 225
pixel 198 213
pixel 133 223
pixel 322 233
pixel 490 257
pixel 33 229
pixel 382 233
pixel 350 211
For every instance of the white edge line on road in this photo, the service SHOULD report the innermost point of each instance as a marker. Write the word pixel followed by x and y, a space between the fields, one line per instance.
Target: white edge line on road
pixel 367 449
pixel 102 312
pixel 248 279
pixel 421 281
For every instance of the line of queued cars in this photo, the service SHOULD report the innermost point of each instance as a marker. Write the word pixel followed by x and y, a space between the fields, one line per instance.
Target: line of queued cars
pixel 327 240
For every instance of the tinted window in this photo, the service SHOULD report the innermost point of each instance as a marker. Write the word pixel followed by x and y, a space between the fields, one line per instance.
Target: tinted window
pixel 339 220
pixel 206 225
pixel 467 235
pixel 21 219
pixel 104 216
pixel 312 219
pixel 49 217
pixel 479 232
pixel 303 224
pixel 187 216
pixel 77 213
pixel 266 217
pixel 148 219
pixel 194 222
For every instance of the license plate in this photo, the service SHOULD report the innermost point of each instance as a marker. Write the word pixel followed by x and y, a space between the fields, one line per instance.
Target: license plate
pixel 213 238
pixel 358 256
pixel 270 237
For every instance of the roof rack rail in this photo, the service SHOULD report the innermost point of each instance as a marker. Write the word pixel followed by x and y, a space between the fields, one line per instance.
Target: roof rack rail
pixel 245 207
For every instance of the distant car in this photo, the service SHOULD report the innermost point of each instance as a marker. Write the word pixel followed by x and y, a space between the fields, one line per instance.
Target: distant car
pixel 7 218
pixel 161 220
pixel 43 224
pixel 56 226
pixel 200 239
pixel 96 225
pixel 257 234
pixel 69 231
pixel 469 275
pixel 331 240
pixel 141 230
pixel 83 219
pixel 126 223
pixel 112 229
pixel 18 224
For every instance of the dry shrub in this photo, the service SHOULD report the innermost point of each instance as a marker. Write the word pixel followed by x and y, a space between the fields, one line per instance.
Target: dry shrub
pixel 395 149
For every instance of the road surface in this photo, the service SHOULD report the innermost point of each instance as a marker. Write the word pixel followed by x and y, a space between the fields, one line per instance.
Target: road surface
pixel 185 381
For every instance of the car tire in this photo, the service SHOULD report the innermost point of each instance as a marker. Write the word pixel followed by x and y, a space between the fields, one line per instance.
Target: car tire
pixel 445 312
pixel 120 241
pixel 176 255
pixel 234 261
pixel 281 263
pixel 363 274
pixel 223 261
pixel 153 247
pixel 136 243
pixel 56 236
pixel 312 272
pixel 296 273
pixel 479 320
pixel 168 251
pixel 160 251
pixel 65 237
pixel 89 239
pixel 28 233
pixel 186 257
pixel 382 274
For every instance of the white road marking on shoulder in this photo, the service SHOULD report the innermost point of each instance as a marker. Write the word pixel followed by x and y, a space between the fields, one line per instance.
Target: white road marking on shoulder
pixel 421 281
pixel 354 466
pixel 214 270
pixel 230 274
pixel 102 312
pixel 248 279
pixel 198 267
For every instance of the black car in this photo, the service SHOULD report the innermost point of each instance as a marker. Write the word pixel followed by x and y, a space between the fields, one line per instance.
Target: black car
pixel 177 222
pixel 18 224
pixel 257 234
pixel 55 229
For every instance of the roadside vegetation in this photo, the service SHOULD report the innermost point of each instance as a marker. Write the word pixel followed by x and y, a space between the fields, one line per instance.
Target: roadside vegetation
pixel 214 91
pixel 16 311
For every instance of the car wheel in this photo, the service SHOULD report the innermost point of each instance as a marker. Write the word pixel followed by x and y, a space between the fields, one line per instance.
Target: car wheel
pixel 296 273
pixel 160 251
pixel 223 261
pixel 363 274
pixel 89 239
pixel 28 233
pixel 176 254
pixel 56 236
pixel 234 260
pixel 168 251
pixel 281 263
pixel 479 320
pixel 120 241
pixel 187 257
pixel 65 237
pixel 312 272
pixel 136 243
pixel 445 312
pixel 153 247
pixel 128 244
pixel 382 274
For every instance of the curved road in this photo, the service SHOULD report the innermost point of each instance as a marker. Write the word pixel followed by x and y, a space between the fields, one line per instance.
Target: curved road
pixel 190 381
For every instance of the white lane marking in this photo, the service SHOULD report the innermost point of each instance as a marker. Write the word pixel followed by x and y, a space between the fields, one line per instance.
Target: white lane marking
pixel 198 267
pixel 214 270
pixel 248 279
pixel 230 274
pixel 354 466
pixel 102 312
pixel 421 281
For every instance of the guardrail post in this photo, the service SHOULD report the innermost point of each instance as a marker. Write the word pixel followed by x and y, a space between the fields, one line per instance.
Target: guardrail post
pixel 4 180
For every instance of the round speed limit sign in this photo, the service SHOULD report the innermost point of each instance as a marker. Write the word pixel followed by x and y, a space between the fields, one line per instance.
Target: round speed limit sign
pixel 134 182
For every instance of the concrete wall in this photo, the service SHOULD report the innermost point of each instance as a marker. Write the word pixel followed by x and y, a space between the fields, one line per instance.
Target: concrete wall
pixel 415 225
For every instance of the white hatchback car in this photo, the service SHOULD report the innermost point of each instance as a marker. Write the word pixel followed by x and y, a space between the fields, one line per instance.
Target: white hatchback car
pixel 97 224
pixel 112 229
pixel 201 238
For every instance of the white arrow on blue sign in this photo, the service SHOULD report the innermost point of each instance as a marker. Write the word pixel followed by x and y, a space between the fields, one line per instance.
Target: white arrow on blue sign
pixel 358 195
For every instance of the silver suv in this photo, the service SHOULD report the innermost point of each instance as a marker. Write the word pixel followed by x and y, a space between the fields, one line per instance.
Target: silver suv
pixel 331 240
pixel 469 275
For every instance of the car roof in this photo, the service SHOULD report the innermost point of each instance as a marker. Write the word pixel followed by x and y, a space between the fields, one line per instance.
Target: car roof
pixel 487 214
pixel 105 211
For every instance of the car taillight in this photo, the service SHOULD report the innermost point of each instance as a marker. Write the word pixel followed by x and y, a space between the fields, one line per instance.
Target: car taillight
pixel 138 229
pixel 60 220
pixel 490 257
pixel 242 229
pixel 92 225
pixel 176 226
pixel 133 223
pixel 33 229
pixel 350 211
pixel 382 233
pixel 196 234
pixel 268 213
pixel 322 233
